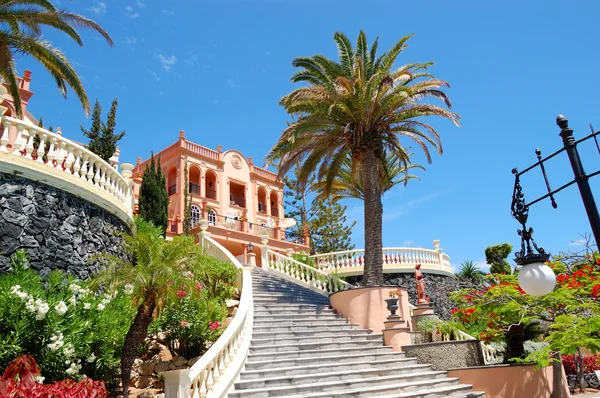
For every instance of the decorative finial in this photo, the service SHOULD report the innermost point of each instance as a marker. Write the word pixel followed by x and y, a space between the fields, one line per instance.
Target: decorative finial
pixel 562 122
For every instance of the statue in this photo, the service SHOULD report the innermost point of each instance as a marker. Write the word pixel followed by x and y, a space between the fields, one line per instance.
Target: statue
pixel 421 298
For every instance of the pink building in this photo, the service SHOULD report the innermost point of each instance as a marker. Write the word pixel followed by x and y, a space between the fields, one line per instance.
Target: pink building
pixel 241 202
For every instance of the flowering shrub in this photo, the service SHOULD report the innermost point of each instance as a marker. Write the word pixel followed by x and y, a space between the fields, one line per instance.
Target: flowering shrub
pixel 71 331
pixel 591 363
pixel 22 379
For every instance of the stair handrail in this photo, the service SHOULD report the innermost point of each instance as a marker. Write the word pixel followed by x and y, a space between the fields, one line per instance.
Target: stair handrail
pixel 216 371
pixel 489 353
pixel 305 275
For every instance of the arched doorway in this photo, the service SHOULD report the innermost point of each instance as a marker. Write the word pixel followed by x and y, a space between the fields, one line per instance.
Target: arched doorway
pixel 210 187
pixel 262 200
pixel 194 216
pixel 194 180
pixel 274 204
pixel 172 180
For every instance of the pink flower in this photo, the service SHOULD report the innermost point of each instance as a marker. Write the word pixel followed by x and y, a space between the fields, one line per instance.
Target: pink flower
pixel 170 283
pixel 185 324
pixel 181 293
pixel 214 325
pixel 199 286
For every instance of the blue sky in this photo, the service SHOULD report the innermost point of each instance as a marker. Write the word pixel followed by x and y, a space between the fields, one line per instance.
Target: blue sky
pixel 218 69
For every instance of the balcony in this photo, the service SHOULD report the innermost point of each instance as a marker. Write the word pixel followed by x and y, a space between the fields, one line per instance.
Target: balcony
pixel 172 189
pixel 262 208
pixel 194 188
pixel 274 211
pixel 237 200
pixel 211 194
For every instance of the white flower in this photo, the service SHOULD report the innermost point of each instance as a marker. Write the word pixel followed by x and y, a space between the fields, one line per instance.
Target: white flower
pixel 56 345
pixel 40 379
pixel 100 307
pixel 73 369
pixel 56 337
pixel 74 288
pixel 189 274
pixel 61 308
pixel 128 289
pixel 23 296
pixel 83 292
pixel 91 358
pixel 68 350
pixel 113 294
pixel 87 306
pixel 73 300
pixel 15 289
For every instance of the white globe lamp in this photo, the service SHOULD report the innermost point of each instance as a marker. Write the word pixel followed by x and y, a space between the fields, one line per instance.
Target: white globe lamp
pixel 536 278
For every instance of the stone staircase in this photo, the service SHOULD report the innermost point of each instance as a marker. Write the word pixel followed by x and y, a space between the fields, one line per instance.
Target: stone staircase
pixel 302 348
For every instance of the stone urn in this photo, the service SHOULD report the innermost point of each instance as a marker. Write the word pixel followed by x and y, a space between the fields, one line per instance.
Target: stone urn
pixel 392 306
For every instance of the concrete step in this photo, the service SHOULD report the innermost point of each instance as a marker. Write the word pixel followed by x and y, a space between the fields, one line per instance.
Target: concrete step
pixel 309 333
pixel 423 391
pixel 309 294
pixel 274 301
pixel 287 349
pixel 301 321
pixel 263 356
pixel 371 356
pixel 290 312
pixel 318 368
pixel 290 307
pixel 306 340
pixel 286 317
pixel 395 383
pixel 333 325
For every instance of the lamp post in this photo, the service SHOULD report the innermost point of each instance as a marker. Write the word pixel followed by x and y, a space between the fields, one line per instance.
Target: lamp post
pixel 536 278
pixel 250 247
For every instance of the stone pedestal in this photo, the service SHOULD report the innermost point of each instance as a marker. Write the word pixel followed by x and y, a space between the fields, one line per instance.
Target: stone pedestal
pixel 423 311
pixel 396 333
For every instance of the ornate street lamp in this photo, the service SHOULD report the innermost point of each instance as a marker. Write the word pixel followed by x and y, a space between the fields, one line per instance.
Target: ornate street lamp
pixel 535 277
pixel 250 247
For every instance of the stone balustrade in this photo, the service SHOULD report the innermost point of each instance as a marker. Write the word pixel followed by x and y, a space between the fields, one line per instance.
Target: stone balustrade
pixel 395 260
pixel 69 164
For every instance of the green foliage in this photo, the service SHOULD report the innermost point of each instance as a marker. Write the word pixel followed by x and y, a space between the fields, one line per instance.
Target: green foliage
pixel 154 198
pixel 189 324
pixel 187 200
pixel 304 258
pixel 572 310
pixel 103 140
pixel 70 330
pixel 469 271
pixel 446 330
pixel 296 206
pixel 25 24
pixel 37 142
pixel 218 278
pixel 496 256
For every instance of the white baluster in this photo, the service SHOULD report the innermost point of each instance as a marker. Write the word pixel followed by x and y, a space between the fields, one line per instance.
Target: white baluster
pixel 102 176
pixel 28 134
pixel 41 148
pixel 76 162
pixel 84 160
pixel 69 158
pixel 20 142
pixel 97 176
pixel 51 153
pixel 61 157
pixel 4 136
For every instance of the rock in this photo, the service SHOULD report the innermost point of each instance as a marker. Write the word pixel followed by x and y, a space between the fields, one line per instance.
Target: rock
pixel 137 365
pixel 10 230
pixel 231 303
pixel 162 366
pixel 134 378
pixel 192 361
pixel 172 366
pixel 143 382
pixel 146 394
pixel 154 345
pixel 180 361
pixel 165 355
pixel 14 217
pixel 13 204
pixel 161 395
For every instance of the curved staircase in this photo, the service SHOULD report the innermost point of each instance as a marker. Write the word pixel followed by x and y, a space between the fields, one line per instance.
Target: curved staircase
pixel 302 348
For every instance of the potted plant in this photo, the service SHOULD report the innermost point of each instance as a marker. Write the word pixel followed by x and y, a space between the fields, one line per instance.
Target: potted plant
pixel 392 302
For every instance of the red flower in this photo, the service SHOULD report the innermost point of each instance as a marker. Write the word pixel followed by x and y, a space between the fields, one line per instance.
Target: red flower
pixel 170 283
pixel 199 286
pixel 185 324
pixel 453 311
pixel 214 325
pixel 490 324
pixel 181 293
pixel 596 291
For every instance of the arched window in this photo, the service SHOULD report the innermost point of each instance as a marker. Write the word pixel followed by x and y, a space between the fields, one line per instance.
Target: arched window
pixel 195 216
pixel 212 217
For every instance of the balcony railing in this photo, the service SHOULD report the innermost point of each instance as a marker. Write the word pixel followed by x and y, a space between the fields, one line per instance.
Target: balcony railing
pixel 262 208
pixel 238 200
pixel 172 189
pixel 274 211
pixel 260 230
pixel 194 188
pixel 225 222
pixel 211 194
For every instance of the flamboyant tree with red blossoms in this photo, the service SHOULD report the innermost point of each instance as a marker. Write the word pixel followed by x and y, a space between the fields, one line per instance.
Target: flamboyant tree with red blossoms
pixel 499 310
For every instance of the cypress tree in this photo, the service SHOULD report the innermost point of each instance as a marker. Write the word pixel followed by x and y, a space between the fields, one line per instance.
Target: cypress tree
pixel 329 232
pixel 103 140
pixel 153 191
pixel 187 200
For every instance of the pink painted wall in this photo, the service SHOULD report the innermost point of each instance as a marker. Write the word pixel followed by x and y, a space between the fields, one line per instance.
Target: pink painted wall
pixel 367 307
pixel 510 381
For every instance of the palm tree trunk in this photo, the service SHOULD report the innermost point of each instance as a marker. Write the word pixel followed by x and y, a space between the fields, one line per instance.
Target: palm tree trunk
pixel 373 211
pixel 135 337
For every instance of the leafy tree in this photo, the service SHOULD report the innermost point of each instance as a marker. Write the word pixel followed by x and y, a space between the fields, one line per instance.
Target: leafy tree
pixel 496 256
pixel 154 198
pixel 348 184
pixel 469 271
pixel 296 207
pixel 157 274
pixel 503 311
pixel 329 231
pixel 359 108
pixel 22 31
pixel 103 140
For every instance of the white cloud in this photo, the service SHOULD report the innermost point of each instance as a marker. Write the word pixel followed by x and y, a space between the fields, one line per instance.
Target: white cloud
pixel 192 60
pixel 166 62
pixel 231 82
pixel 131 13
pixel 130 40
pixel 408 243
pixel 154 75
pixel 99 8
pixel 140 3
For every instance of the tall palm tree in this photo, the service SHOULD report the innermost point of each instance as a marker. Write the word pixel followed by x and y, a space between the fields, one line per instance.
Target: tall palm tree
pixel 348 185
pixel 21 23
pixel 359 107
pixel 157 270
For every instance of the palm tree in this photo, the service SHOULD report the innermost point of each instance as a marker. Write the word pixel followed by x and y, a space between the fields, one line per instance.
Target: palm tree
pixel 156 272
pixel 359 108
pixel 347 185
pixel 470 271
pixel 21 23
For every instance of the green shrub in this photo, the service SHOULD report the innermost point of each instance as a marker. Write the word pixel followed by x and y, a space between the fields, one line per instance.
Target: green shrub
pixel 217 277
pixel 304 258
pixel 70 330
